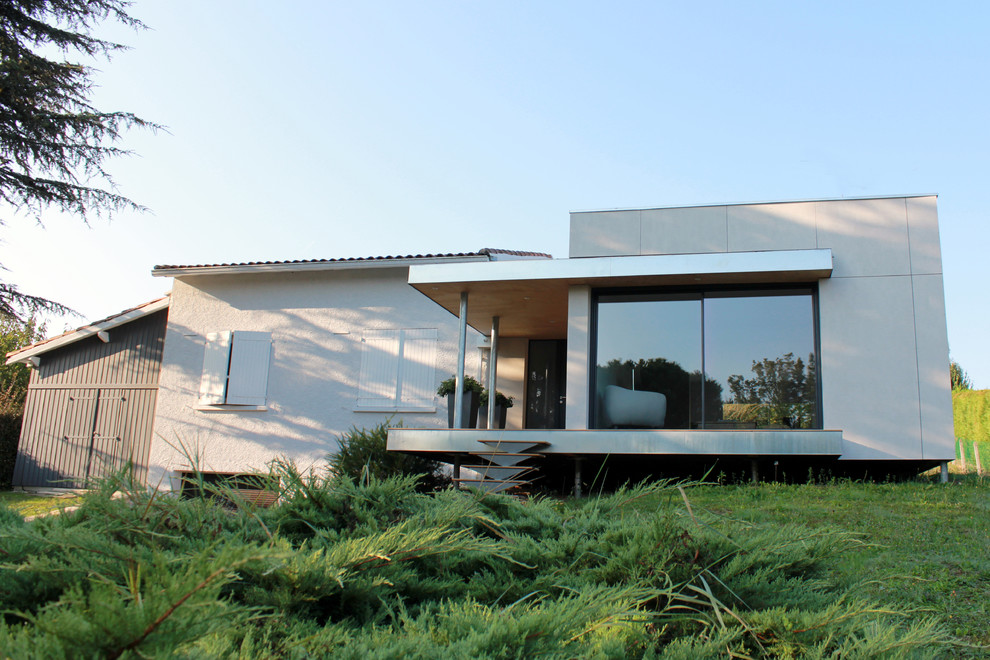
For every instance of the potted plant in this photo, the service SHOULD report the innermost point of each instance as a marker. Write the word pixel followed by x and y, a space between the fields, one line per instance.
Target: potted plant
pixel 502 404
pixel 472 398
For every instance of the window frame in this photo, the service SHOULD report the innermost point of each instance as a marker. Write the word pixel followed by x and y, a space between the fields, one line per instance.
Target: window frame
pixel 700 293
pixel 241 358
pixel 405 370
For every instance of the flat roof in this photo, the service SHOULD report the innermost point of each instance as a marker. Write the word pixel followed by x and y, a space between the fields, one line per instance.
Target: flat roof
pixel 530 297
pixel 773 201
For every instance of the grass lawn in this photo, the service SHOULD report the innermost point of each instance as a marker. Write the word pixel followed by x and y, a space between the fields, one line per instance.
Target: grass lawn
pixel 926 545
pixel 31 504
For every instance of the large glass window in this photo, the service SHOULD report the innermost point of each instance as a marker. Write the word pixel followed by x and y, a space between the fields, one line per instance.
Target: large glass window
pixel 709 359
pixel 760 353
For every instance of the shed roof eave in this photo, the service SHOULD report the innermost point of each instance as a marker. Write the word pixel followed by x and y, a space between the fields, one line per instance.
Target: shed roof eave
pixel 24 354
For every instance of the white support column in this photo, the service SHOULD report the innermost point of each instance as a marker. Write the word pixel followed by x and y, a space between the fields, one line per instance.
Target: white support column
pixel 578 351
pixel 492 373
pixel 945 472
pixel 459 376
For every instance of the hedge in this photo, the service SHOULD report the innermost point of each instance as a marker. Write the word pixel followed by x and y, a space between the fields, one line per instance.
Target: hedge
pixel 10 433
pixel 971 414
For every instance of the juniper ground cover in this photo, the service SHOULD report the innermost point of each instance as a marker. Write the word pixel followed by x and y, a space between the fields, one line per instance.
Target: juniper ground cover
pixel 379 570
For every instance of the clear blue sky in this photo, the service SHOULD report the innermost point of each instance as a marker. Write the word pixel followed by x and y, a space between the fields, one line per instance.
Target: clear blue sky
pixel 329 129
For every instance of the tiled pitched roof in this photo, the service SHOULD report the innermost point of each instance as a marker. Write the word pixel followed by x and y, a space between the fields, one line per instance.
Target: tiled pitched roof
pixel 516 253
pixel 484 252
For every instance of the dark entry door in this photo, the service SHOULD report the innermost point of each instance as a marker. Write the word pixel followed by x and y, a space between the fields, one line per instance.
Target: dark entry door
pixel 545 386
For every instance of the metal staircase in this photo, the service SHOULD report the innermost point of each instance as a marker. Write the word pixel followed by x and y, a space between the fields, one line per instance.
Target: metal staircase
pixel 504 465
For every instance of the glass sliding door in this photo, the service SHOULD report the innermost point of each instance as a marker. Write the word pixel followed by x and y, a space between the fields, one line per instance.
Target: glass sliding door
pixel 760 350
pixel 648 364
pixel 714 359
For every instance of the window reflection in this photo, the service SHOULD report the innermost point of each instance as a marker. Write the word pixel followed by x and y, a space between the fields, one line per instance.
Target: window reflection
pixel 649 363
pixel 761 351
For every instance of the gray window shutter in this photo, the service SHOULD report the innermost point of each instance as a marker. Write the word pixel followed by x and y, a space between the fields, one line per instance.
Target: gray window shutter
pixel 417 368
pixel 216 357
pixel 379 369
pixel 249 359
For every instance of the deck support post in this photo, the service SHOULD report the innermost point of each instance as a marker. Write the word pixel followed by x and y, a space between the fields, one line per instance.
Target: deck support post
pixel 457 470
pixel 754 468
pixel 945 472
pixel 492 372
pixel 461 350
pixel 577 476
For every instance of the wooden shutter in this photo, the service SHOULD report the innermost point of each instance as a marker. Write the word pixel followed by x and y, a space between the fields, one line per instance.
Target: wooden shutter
pixel 379 369
pixel 216 357
pixel 250 355
pixel 417 369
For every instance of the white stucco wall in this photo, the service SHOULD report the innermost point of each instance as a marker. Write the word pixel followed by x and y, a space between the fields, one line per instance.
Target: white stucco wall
pixel 884 347
pixel 316 320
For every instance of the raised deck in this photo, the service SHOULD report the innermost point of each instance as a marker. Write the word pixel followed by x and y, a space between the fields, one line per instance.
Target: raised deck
pixel 455 444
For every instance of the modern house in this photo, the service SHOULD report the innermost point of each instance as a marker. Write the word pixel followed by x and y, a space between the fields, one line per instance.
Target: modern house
pixel 767 337
pixel 773 336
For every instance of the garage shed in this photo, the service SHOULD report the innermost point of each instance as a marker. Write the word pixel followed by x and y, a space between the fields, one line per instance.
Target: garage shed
pixel 91 400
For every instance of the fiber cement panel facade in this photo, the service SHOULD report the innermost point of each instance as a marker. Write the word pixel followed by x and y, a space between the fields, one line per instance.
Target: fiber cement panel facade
pixel 884 348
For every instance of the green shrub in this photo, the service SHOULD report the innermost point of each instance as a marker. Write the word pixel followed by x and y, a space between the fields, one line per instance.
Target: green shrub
pixel 14 379
pixel 449 386
pixel 362 454
pixel 373 569
pixel 11 412
pixel 500 399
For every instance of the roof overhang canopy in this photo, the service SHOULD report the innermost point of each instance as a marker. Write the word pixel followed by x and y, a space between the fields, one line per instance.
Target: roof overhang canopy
pixel 530 297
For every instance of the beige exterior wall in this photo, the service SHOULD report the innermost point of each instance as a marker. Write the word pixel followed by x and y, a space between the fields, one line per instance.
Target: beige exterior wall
pixel 884 347
pixel 511 376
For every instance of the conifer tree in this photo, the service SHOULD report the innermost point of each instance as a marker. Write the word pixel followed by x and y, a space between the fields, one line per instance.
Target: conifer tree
pixel 53 141
pixel 15 335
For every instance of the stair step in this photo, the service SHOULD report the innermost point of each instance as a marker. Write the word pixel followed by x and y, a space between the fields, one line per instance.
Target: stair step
pixel 498 472
pixel 489 485
pixel 517 446
pixel 504 459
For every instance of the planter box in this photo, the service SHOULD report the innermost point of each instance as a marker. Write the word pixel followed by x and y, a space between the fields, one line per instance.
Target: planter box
pixel 500 413
pixel 470 414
